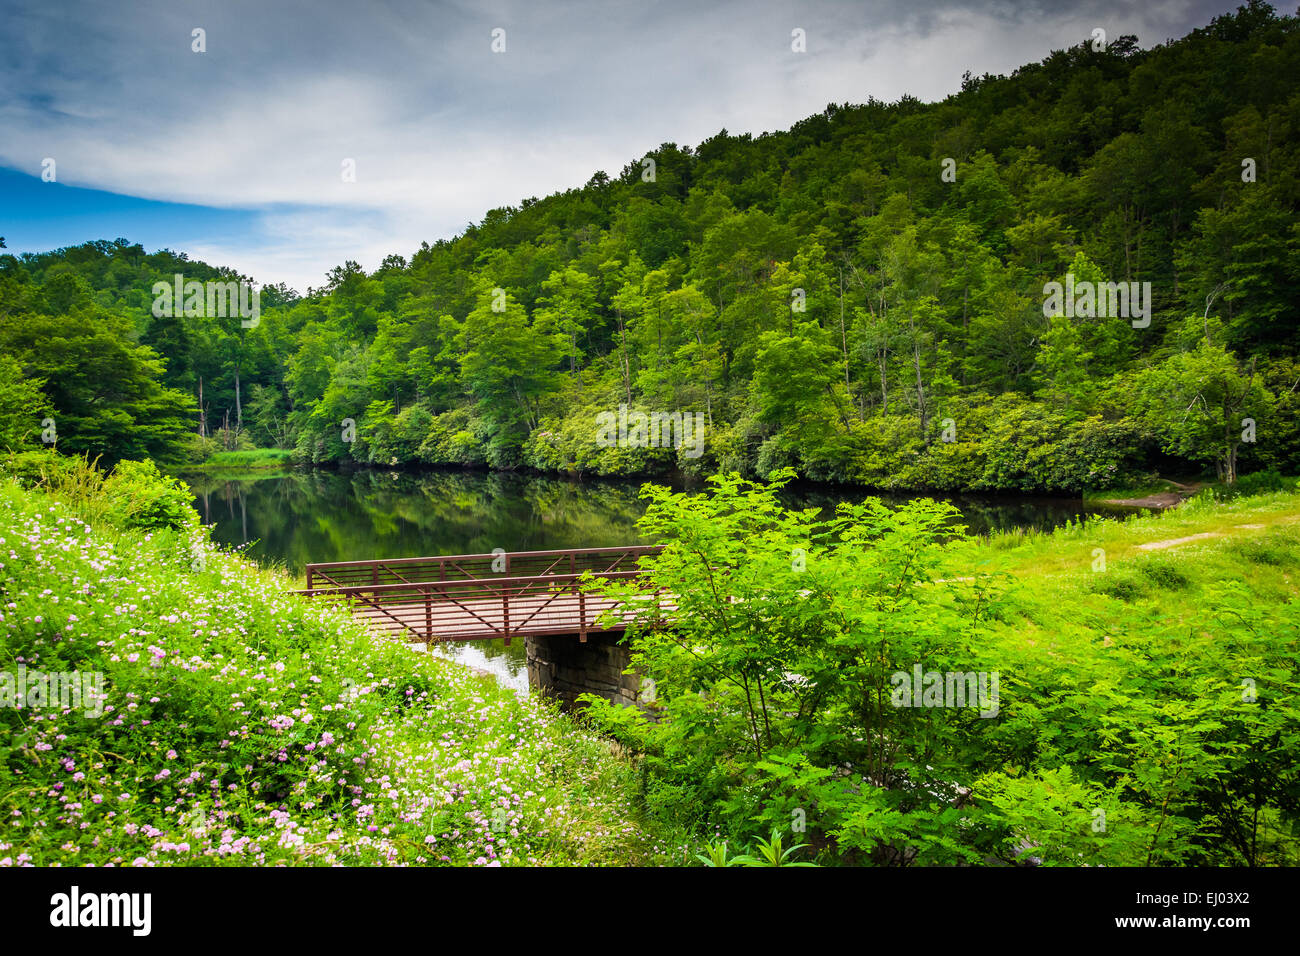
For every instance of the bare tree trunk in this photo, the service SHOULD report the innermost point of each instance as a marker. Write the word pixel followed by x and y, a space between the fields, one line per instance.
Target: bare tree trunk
pixel 627 368
pixel 203 413
pixel 916 361
pixel 844 342
pixel 920 388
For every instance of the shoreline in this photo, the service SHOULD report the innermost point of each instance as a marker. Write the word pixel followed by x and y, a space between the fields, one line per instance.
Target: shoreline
pixel 676 480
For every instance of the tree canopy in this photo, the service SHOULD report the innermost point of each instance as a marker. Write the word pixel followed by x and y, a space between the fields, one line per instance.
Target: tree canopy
pixel 860 297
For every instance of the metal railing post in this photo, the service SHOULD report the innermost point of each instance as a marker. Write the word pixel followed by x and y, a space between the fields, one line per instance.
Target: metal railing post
pixel 505 615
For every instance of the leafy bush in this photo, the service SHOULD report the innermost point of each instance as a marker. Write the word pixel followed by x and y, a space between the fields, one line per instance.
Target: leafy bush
pixel 569 443
pixel 23 406
pixel 1262 482
pixel 139 496
pixel 38 465
pixel 787 634
pixel 250 459
pixel 996 443
pixel 451 440
pixel 390 439
pixel 1278 549
pixel 196 448
pixel 1123 586
pixel 1118 737
pixel 1163 573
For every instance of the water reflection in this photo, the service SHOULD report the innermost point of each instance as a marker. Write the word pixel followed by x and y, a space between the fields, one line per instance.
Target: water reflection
pixel 294 517
pixel 509 665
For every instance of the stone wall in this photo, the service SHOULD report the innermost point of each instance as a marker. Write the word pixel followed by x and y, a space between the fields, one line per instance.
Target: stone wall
pixel 562 666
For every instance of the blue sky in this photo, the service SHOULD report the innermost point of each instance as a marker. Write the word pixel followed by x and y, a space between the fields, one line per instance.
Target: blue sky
pixel 234 154
pixel 38 215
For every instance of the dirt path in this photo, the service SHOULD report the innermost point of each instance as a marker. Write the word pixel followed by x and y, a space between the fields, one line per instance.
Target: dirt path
pixel 1174 542
pixel 1165 499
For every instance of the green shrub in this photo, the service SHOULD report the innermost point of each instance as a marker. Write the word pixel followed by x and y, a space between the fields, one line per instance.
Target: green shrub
pixel 450 440
pixel 1120 585
pixel 1164 574
pixel 570 443
pixel 23 406
pixel 390 439
pixel 196 448
pixel 1262 482
pixel 1276 550
pixel 254 458
pixel 37 465
pixel 74 480
pixel 139 496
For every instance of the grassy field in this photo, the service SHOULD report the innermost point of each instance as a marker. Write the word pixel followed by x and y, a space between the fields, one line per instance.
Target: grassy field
pixel 1110 575
pixel 1162 651
pixel 1069 549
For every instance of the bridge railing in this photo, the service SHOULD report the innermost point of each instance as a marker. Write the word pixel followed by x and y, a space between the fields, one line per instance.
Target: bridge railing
pixel 457 567
pixel 476 608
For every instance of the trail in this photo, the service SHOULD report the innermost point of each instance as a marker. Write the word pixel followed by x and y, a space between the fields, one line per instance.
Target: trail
pixel 1174 542
pixel 1162 500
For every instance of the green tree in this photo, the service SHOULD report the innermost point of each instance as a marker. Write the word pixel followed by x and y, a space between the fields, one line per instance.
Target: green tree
pixel 104 389
pixel 508 366
pixel 1198 402
pixel 23 406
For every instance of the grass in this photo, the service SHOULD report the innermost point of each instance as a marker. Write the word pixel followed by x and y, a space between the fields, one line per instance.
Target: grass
pixel 1144 662
pixel 1095 576
pixel 1070 547
pixel 1249 484
pixel 251 459
pixel 1126 492
pixel 244 726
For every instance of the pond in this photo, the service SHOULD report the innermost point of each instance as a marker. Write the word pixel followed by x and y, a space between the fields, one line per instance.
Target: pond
pixel 295 517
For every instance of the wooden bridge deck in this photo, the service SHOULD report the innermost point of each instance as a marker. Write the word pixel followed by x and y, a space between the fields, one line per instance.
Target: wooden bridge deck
pixel 484 596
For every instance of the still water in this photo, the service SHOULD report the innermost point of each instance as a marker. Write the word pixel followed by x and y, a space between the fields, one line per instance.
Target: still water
pixel 292 518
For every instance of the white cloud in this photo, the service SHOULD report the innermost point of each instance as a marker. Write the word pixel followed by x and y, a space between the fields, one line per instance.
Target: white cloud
pixel 441 128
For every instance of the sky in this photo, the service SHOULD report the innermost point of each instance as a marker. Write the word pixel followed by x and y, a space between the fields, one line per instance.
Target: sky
pixel 236 154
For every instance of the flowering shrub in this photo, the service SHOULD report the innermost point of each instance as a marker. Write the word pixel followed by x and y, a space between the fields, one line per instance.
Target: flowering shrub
pixel 244 725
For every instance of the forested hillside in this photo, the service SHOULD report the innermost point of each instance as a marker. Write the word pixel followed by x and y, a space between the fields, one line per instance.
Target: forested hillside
pixel 860 297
